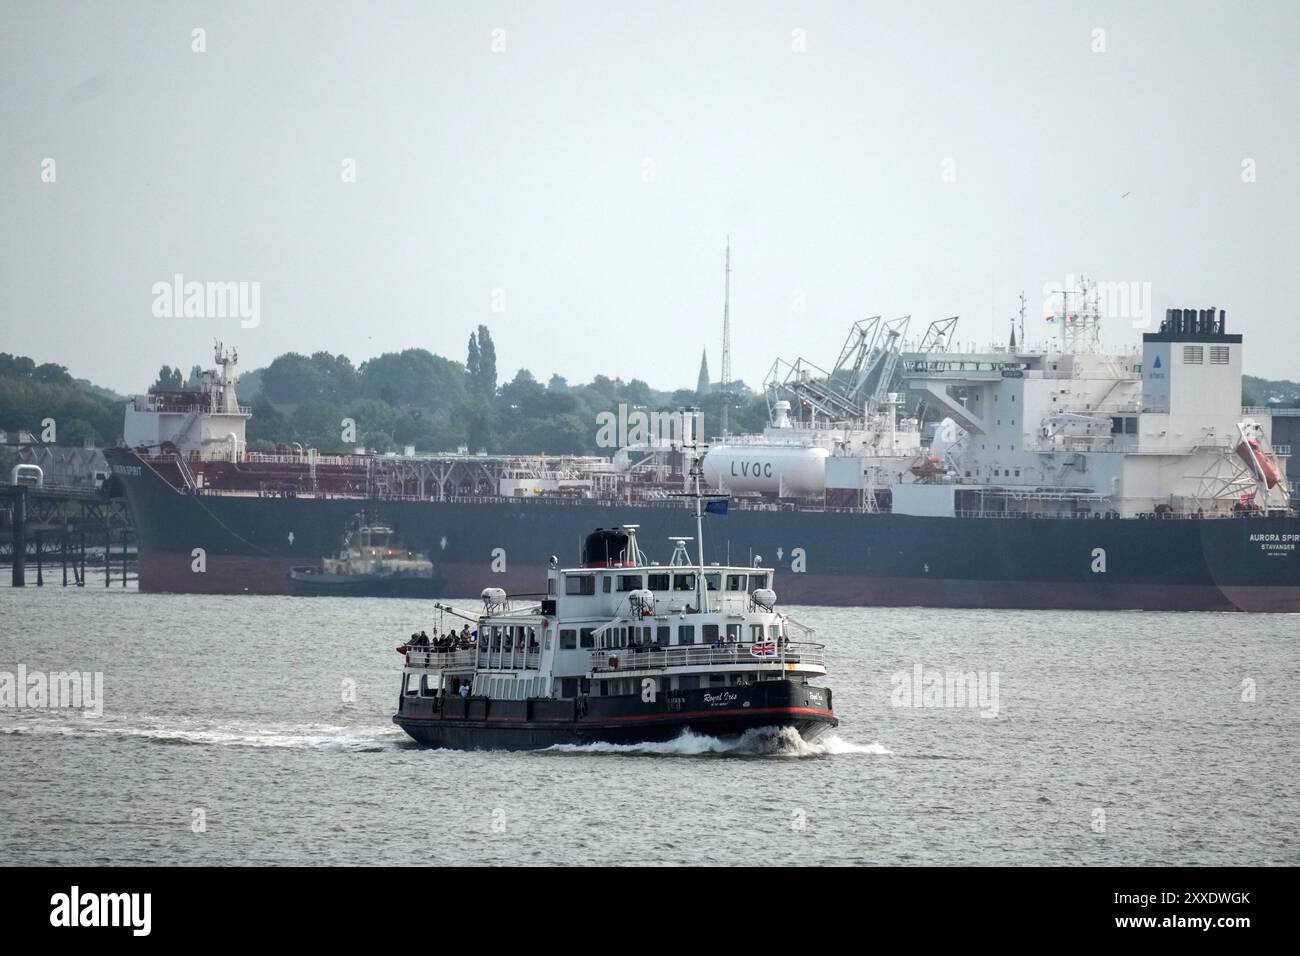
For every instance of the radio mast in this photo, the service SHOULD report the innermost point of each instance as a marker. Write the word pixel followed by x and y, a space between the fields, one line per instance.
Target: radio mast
pixel 725 385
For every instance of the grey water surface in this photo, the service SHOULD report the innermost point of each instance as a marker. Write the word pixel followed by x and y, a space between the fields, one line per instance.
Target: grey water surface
pixel 256 730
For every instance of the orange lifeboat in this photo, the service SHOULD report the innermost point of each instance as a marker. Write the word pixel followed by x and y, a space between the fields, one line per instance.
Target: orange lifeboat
pixel 926 467
pixel 1261 466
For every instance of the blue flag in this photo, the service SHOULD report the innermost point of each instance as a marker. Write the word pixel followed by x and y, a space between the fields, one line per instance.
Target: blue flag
pixel 718 507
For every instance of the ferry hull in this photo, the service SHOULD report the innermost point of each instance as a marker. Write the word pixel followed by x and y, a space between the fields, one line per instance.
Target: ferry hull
pixel 480 723
pixel 235 544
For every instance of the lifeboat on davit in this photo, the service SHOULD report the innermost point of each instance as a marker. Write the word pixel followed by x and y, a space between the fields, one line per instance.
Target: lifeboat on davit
pixel 926 467
pixel 1263 467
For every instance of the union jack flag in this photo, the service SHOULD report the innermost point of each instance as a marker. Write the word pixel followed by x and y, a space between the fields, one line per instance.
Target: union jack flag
pixel 763 649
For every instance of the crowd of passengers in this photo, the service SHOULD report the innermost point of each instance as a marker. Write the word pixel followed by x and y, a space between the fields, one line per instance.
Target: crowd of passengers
pixel 451 641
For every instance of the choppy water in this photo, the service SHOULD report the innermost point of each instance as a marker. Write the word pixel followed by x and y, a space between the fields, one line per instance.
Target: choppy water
pixel 235 707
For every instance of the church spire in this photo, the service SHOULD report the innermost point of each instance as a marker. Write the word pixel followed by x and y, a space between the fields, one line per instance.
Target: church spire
pixel 702 385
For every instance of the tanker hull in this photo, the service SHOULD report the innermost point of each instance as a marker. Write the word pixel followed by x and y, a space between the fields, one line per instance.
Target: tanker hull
pixel 248 544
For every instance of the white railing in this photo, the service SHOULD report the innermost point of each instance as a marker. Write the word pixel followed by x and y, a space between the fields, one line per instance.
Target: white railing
pixel 440 660
pixel 703 655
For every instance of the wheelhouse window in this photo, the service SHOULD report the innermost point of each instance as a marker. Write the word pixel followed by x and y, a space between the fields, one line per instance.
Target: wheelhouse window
pixel 579 584
pixel 657 582
pixel 683 582
pixel 629 582
pixel 757 581
pixel 713 581
pixel 736 582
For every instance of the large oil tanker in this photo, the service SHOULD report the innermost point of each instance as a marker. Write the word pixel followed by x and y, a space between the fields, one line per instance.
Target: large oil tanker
pixel 1063 477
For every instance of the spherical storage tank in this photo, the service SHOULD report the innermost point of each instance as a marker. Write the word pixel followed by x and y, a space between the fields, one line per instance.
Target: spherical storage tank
pixel 792 472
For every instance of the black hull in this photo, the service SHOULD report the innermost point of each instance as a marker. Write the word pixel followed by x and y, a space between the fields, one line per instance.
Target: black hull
pixel 478 723
pixel 835 558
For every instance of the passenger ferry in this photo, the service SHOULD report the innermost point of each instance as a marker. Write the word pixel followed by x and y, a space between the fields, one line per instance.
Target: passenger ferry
pixel 620 650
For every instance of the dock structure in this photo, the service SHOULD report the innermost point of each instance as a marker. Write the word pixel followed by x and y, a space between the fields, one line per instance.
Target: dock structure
pixel 74 525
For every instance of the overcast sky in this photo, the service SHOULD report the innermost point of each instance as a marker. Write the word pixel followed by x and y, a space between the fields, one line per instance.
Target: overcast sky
pixel 567 173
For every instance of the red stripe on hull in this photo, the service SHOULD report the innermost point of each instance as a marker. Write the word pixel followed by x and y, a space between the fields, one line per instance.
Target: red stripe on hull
pixel 637 719
pixel 235 574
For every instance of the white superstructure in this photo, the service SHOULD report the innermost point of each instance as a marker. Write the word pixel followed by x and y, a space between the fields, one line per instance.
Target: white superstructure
pixel 204 419
pixel 1088 433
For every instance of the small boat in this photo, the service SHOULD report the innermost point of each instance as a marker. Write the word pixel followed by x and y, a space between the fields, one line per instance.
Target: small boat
pixel 372 563
pixel 619 650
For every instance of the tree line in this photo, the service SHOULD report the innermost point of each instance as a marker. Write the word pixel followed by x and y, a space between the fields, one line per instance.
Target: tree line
pixel 31 394
pixel 417 398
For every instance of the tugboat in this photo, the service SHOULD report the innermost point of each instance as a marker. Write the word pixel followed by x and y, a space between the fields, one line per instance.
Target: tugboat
pixel 620 650
pixel 372 563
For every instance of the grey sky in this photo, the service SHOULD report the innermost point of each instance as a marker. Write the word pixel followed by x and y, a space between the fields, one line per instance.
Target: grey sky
pixel 525 170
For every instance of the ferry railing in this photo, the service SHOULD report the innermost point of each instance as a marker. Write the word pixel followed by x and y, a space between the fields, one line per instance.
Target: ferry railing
pixel 440 660
pixel 703 655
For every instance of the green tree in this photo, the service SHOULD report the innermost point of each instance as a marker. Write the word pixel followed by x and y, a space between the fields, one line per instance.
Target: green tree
pixel 169 379
pixel 414 377
pixel 487 363
pixel 77 432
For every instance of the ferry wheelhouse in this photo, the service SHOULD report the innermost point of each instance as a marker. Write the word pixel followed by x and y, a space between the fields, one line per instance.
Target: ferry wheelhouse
pixel 619 650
